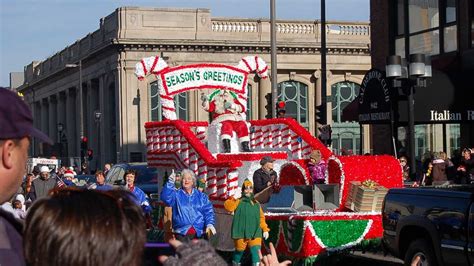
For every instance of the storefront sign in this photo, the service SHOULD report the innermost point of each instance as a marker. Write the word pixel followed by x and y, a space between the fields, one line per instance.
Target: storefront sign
pixel 449 116
pixel 374 98
pixel 208 76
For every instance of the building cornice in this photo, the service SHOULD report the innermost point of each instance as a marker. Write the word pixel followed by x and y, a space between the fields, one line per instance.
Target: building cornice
pixel 243 47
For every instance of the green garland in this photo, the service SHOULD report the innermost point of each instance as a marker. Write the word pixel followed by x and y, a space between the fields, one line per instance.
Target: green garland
pixel 347 231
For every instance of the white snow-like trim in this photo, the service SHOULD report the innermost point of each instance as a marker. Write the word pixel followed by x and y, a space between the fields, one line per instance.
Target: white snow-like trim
pixel 350 244
pixel 343 177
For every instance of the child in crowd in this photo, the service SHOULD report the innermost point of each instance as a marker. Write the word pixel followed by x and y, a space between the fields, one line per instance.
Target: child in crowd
pixel 317 167
pixel 18 209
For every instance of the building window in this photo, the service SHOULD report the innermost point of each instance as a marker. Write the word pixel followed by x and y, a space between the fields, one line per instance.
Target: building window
pixel 345 135
pixel 423 15
pixel 181 105
pixel 180 102
pixel 249 102
pixel 425 43
pixel 343 93
pixel 432 26
pixel 472 24
pixel 155 106
pixel 295 95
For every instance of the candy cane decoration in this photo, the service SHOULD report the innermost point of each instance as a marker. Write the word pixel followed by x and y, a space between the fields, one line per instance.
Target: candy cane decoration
pixel 212 183
pixel 155 65
pixel 232 181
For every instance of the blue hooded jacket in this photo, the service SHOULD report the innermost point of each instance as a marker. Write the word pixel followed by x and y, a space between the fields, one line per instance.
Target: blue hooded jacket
pixel 141 199
pixel 193 209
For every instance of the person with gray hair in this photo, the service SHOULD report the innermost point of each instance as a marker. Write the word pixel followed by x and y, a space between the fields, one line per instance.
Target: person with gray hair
pixel 193 214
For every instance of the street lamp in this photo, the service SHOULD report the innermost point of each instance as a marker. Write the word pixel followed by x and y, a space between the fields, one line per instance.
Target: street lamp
pixel 98 116
pixel 413 75
pixel 81 119
pixel 60 128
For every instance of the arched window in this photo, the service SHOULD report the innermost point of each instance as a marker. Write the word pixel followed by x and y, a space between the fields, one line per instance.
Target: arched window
pixel 180 101
pixel 295 95
pixel 345 135
pixel 249 102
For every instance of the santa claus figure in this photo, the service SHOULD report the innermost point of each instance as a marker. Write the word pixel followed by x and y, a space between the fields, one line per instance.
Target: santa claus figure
pixel 227 110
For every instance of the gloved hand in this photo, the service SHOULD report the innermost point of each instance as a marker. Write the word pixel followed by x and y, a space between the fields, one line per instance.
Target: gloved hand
pixel 210 230
pixel 203 97
pixel 237 193
pixel 227 105
pixel 265 235
pixel 172 176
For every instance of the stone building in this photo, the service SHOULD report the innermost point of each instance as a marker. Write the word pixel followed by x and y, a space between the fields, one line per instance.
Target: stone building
pixel 108 56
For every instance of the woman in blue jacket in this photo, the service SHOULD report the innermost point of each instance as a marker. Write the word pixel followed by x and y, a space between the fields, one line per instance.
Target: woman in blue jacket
pixel 193 214
pixel 140 197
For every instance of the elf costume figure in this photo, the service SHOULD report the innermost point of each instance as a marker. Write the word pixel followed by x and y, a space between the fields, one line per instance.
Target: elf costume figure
pixel 248 223
pixel 227 110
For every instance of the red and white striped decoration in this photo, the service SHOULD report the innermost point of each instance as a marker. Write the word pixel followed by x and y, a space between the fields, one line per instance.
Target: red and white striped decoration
pixel 232 181
pixel 267 136
pixel 177 141
pixel 286 137
pixel 149 140
pixel 193 161
pixel 276 132
pixel 295 146
pixel 202 169
pixel 201 133
pixel 184 150
pixel 221 183
pixel 305 150
pixel 257 138
pixel 211 189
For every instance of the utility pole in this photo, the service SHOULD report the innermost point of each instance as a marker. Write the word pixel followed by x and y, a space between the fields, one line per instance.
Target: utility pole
pixel 274 73
pixel 323 107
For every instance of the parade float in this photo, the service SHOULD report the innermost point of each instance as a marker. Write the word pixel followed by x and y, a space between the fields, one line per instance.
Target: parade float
pixel 342 213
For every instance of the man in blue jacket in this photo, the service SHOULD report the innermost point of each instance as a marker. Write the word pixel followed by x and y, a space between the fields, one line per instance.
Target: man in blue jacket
pixel 193 214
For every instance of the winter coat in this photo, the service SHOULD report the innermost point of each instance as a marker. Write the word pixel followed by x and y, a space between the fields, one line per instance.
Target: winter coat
pixel 141 199
pixel 40 187
pixel 318 172
pixel 261 178
pixel 11 249
pixel 193 209
pixel 248 221
pixel 439 170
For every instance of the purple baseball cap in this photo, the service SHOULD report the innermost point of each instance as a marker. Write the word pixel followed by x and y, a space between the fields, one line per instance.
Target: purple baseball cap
pixel 16 120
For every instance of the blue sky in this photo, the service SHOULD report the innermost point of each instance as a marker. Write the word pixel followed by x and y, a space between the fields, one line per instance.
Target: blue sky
pixel 36 29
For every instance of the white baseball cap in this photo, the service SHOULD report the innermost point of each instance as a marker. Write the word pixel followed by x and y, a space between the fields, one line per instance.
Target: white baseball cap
pixel 44 169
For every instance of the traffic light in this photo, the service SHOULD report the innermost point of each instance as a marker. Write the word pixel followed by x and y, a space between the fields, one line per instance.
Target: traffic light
pixel 269 105
pixel 280 107
pixel 325 134
pixel 90 154
pixel 84 146
pixel 321 114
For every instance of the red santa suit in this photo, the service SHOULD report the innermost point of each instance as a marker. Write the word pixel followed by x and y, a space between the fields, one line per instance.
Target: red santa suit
pixel 227 110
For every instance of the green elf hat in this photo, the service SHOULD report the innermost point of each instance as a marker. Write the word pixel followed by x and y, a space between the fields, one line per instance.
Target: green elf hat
pixel 201 183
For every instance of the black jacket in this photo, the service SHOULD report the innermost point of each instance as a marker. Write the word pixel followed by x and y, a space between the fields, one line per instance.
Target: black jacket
pixel 261 178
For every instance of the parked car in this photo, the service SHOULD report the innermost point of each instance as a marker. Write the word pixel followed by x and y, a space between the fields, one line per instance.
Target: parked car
pixel 146 179
pixel 432 224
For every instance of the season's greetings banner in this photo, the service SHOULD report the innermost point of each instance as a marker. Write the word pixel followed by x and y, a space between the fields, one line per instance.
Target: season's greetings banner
pixel 203 76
